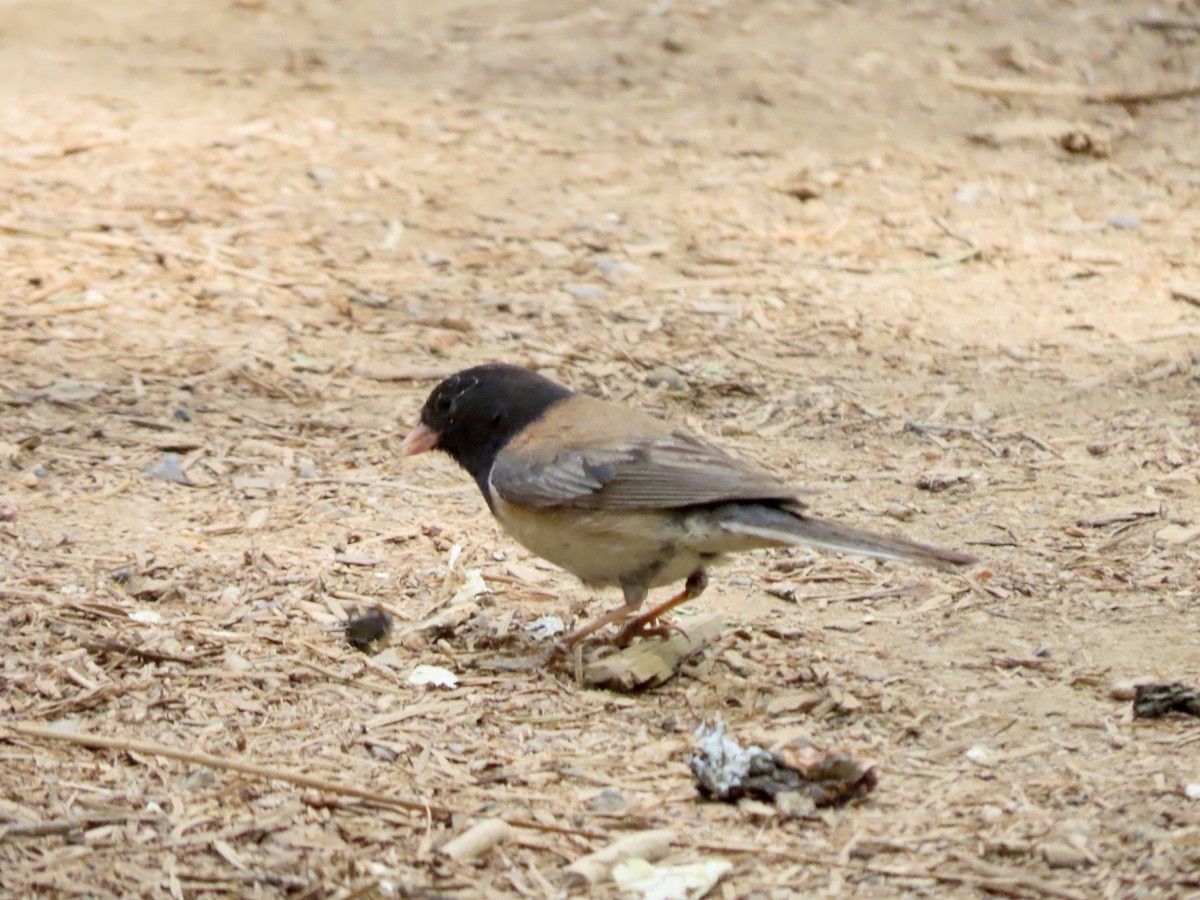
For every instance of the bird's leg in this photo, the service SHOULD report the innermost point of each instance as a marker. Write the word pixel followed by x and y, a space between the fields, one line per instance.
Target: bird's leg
pixel 635 595
pixel 613 615
pixel 692 589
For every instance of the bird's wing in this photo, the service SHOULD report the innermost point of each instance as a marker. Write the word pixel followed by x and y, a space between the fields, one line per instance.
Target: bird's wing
pixel 597 455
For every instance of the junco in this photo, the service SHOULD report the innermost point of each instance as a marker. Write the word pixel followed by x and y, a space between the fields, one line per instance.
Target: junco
pixel 618 497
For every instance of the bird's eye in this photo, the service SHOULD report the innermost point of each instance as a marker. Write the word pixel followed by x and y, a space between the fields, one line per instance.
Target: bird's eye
pixel 443 404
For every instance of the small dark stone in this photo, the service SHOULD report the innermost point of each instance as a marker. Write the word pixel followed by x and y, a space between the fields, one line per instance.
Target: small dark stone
pixel 364 629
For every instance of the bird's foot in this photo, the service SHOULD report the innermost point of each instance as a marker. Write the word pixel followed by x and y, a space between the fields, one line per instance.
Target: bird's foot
pixel 644 626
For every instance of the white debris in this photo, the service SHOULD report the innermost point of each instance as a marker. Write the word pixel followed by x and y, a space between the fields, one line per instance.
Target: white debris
pixel 720 763
pixel 651 882
pixel 434 676
pixel 546 627
pixel 473 585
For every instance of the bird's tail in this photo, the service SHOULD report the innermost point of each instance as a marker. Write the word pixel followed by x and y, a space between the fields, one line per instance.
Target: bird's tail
pixel 790 525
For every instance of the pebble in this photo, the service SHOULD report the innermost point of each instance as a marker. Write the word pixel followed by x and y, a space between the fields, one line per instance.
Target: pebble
pixel 168 469
pixel 795 805
pixel 383 753
pixel 981 413
pixel 1175 534
pixel 968 194
pixel 550 249
pixel 585 291
pixel 1060 855
pixel 199 779
pixel 609 802
pixel 666 377
pixel 1125 222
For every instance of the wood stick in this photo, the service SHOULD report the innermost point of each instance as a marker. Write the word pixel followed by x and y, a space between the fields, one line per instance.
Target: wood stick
pixel 598 866
pixel 1013 87
pixel 149 748
pixel 477 840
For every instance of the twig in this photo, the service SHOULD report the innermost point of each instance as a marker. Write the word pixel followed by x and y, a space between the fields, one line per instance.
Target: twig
pixel 940 262
pixel 1009 87
pixel 361 683
pixel 1159 24
pixel 66 826
pixel 869 595
pixel 992 879
pixel 112 645
pixel 148 748
pixel 950 232
pixel 1187 295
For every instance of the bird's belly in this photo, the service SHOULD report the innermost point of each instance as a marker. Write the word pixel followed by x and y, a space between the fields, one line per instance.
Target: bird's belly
pixel 605 547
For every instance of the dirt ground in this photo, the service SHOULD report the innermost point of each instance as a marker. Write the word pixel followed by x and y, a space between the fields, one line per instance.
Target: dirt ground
pixel 917 255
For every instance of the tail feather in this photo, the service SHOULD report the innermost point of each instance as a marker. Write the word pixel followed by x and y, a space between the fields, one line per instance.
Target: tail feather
pixel 783 527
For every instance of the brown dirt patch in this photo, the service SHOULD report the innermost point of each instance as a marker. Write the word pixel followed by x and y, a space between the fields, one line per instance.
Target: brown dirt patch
pixel 239 240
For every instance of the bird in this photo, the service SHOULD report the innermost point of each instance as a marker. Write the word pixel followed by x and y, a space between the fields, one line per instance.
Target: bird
pixel 621 498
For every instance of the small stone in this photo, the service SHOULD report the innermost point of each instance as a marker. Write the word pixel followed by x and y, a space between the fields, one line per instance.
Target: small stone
pixel 550 249
pixel 167 469
pixel 585 291
pixel 386 754
pixel 1059 855
pixel 795 804
pixel 199 779
pixel 942 480
pixel 1178 534
pixel 981 756
pixel 1125 222
pixel 1097 448
pixel 968 194
pixel 1192 791
pixel 609 802
pixel 981 413
pixel 666 377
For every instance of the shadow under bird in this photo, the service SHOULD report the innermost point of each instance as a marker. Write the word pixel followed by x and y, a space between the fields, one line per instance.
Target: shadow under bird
pixel 619 497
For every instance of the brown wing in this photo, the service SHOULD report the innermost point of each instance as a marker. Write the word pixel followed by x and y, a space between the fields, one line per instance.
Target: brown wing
pixel 591 454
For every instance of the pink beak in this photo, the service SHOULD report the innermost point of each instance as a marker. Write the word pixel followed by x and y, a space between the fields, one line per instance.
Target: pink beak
pixel 419 440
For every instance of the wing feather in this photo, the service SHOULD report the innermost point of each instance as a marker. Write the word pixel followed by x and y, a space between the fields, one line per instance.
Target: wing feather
pixel 671 468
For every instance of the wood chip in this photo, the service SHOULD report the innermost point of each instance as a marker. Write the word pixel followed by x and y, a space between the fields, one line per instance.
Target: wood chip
pixel 649 663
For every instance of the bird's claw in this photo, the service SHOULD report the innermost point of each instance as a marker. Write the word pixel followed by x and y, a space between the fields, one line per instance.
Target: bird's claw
pixel 659 628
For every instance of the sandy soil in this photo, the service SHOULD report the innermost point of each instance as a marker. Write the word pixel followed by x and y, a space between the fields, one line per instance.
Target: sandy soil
pixel 239 241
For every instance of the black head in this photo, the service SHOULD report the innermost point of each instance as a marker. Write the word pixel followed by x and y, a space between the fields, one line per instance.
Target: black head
pixel 474 413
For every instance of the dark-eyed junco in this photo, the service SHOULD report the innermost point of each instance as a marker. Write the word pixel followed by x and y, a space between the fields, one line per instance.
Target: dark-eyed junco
pixel 618 497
